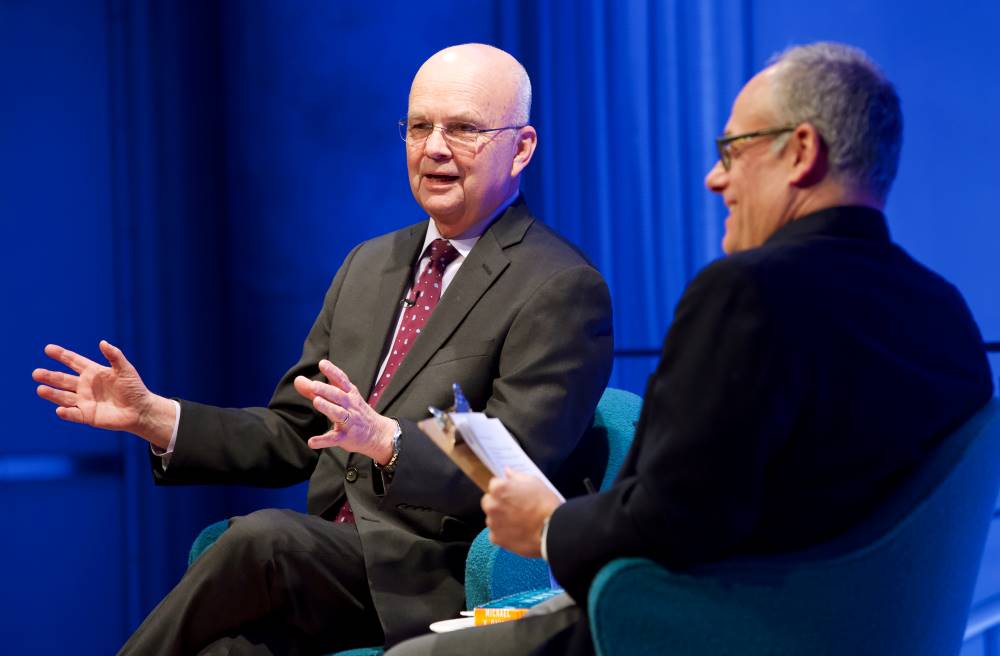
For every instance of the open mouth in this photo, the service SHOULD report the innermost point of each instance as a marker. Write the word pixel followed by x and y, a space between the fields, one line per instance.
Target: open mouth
pixel 438 177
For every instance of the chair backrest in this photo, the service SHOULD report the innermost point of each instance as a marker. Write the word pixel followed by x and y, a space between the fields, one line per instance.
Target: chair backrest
pixel 907 591
pixel 616 416
pixel 492 572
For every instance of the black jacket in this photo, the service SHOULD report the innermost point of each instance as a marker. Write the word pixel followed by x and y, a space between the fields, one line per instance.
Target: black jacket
pixel 799 383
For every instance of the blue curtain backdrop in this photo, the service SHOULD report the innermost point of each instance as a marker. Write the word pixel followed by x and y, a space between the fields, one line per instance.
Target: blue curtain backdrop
pixel 628 98
pixel 185 178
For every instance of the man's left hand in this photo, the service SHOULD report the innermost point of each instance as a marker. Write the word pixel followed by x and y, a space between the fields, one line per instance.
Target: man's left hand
pixel 516 508
pixel 355 424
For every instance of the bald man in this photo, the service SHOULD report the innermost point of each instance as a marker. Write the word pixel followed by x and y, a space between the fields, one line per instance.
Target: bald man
pixel 480 294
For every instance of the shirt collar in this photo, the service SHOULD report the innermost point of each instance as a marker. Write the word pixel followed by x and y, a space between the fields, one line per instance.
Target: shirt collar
pixel 472 235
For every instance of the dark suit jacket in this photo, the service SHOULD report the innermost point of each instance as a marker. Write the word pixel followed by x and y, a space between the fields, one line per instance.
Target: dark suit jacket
pixel 524 327
pixel 799 383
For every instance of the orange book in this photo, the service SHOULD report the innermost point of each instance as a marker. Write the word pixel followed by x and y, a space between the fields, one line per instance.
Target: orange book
pixel 511 607
pixel 486 616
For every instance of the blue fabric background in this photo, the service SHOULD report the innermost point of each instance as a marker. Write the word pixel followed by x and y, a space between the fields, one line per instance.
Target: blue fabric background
pixel 185 178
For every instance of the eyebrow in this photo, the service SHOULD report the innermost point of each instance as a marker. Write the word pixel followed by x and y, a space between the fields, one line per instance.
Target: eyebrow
pixel 461 117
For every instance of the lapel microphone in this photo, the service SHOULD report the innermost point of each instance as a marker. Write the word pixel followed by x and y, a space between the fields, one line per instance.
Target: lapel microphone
pixel 410 302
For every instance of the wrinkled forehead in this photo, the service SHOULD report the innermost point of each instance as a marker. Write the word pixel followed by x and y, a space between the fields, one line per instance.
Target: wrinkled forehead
pixel 460 91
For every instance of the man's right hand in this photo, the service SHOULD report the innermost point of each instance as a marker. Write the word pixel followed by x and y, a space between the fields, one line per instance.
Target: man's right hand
pixel 106 397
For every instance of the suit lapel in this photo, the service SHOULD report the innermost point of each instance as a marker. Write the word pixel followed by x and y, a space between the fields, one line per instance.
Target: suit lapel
pixel 394 278
pixel 486 262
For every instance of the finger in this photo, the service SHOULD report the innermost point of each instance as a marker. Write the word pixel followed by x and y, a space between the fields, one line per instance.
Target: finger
pixel 115 357
pixel 74 361
pixel 339 415
pixel 488 503
pixel 333 412
pixel 335 375
pixel 56 379
pixel 323 441
pixel 304 386
pixel 57 396
pixel 331 393
pixel 74 415
pixel 497 485
pixel 517 477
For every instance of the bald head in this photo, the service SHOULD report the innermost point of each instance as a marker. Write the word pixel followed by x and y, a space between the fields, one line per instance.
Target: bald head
pixel 482 66
pixel 468 138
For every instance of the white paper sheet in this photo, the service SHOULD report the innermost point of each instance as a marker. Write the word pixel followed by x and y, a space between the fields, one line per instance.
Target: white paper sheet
pixel 490 440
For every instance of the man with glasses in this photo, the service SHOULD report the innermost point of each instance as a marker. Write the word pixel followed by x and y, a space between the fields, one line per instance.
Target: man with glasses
pixel 803 377
pixel 481 294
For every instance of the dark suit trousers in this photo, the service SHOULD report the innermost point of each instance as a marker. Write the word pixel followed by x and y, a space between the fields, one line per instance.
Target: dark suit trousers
pixel 273 578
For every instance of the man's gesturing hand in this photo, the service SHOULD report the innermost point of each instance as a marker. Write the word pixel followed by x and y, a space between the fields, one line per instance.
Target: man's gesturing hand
pixel 106 397
pixel 516 508
pixel 356 425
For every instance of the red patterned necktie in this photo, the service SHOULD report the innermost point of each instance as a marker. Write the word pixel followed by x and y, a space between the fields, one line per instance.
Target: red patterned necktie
pixel 424 298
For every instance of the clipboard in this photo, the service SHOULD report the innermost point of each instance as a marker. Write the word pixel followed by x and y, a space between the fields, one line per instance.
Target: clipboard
pixel 458 451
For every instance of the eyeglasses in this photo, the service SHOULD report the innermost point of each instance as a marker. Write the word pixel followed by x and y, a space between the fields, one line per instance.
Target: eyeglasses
pixel 724 144
pixel 463 136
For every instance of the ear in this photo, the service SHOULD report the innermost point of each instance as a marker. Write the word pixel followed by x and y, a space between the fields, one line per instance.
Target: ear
pixel 809 156
pixel 527 140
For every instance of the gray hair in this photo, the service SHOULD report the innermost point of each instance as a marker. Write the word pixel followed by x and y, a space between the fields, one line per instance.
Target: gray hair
pixel 847 98
pixel 522 102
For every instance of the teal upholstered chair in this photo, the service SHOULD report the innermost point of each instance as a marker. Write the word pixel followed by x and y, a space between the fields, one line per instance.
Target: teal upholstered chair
pixel 492 572
pixel 901 583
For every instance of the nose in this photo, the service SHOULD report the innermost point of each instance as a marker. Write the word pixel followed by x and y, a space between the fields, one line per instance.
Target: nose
pixel 436 147
pixel 716 178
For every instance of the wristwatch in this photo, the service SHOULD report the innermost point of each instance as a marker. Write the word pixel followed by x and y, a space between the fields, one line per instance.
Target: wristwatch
pixel 389 468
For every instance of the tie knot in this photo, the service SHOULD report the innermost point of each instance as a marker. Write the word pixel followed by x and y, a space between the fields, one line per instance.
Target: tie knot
pixel 442 253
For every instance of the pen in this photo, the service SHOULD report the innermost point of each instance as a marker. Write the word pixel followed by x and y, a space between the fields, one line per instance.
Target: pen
pixel 446 424
pixel 440 417
pixel 461 403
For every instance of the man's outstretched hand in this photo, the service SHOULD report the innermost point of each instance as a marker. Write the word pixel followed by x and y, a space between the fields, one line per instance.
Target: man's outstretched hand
pixel 112 397
pixel 355 426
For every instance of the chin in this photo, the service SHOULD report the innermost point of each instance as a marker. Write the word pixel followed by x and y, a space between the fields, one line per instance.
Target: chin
pixel 728 243
pixel 440 203
pixel 444 213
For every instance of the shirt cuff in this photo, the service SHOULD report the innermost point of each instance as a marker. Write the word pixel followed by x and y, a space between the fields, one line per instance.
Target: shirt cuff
pixel 545 537
pixel 164 454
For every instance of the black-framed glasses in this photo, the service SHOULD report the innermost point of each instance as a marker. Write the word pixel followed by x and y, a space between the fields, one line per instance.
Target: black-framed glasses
pixel 464 136
pixel 724 144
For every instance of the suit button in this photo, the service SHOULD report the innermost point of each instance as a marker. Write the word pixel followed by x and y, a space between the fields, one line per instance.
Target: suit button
pixel 351 474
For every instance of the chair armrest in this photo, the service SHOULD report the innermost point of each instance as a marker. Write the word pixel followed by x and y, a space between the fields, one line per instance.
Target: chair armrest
pixel 492 572
pixel 639 606
pixel 206 539
pixel 624 607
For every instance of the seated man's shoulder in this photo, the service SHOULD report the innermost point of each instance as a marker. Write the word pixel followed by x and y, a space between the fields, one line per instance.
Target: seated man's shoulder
pixel 388 240
pixel 377 249
pixel 743 269
pixel 779 277
pixel 547 249
pixel 795 266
